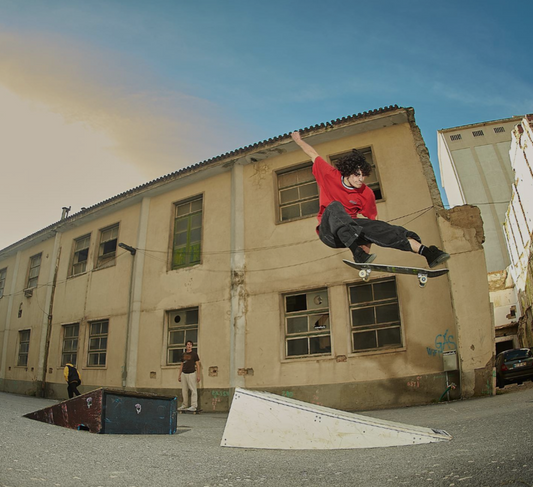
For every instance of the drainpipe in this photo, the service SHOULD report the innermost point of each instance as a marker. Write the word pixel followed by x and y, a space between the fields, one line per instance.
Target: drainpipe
pixel 46 350
pixel 132 251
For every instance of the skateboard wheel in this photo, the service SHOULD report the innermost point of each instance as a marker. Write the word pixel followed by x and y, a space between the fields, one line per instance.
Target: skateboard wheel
pixel 362 274
pixel 423 279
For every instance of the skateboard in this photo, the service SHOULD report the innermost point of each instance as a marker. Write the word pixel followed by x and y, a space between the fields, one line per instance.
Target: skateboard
pixel 422 274
pixel 184 411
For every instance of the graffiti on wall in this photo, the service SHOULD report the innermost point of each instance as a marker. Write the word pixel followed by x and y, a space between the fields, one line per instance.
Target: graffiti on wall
pixel 443 343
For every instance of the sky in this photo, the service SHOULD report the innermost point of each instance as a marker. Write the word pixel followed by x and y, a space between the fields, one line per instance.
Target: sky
pixel 98 97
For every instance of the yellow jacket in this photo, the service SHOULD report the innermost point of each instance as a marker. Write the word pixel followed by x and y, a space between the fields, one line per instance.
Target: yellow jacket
pixel 66 371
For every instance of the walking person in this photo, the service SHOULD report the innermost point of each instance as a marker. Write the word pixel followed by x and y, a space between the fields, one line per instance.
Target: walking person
pixel 189 376
pixel 343 196
pixel 73 378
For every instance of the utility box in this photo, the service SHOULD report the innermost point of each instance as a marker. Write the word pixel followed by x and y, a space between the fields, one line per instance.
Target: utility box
pixel 114 412
pixel 449 360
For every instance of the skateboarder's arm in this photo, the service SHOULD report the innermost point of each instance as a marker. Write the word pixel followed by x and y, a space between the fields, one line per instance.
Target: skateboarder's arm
pixel 198 371
pixel 179 373
pixel 312 153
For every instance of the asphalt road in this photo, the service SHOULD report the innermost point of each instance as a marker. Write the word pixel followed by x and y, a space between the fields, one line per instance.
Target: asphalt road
pixel 491 446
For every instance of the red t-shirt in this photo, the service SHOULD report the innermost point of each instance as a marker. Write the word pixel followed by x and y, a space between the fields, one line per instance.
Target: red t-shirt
pixel 331 188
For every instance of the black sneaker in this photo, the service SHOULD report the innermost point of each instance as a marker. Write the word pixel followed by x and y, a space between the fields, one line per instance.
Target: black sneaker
pixel 435 256
pixel 361 257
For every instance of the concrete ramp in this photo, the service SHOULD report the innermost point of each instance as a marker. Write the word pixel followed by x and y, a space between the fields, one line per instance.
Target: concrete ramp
pixel 264 420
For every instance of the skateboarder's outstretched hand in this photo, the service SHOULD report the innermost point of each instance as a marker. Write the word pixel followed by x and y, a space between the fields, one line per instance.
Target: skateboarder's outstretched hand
pixel 312 153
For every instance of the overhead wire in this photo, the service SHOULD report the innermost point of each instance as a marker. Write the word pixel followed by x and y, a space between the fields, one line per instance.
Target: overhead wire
pixel 149 253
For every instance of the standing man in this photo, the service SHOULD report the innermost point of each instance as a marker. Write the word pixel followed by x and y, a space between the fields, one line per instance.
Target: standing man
pixel 73 378
pixel 189 376
pixel 343 196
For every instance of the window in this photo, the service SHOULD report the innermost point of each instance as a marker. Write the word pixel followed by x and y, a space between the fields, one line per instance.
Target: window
pixel 24 347
pixel 455 137
pixel 70 344
pixel 187 243
pixel 499 130
pixel 33 274
pixel 307 330
pixel 297 193
pixel 182 327
pixel 98 331
pixel 107 248
pixel 371 181
pixel 81 254
pixel 375 316
pixel 3 274
pixel 477 133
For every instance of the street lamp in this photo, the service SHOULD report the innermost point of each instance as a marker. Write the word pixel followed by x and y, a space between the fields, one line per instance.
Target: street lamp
pixel 130 249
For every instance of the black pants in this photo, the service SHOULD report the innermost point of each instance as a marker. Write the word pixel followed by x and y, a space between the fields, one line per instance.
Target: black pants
pixel 73 389
pixel 338 229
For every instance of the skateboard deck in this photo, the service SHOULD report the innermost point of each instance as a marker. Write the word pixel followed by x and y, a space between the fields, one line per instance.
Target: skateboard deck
pixel 184 411
pixel 422 274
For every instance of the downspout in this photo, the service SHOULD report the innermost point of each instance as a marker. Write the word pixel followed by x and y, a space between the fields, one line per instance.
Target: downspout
pixel 132 251
pixel 46 351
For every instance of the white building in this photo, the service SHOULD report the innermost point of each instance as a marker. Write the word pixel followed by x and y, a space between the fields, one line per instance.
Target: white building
pixel 476 169
pixel 519 223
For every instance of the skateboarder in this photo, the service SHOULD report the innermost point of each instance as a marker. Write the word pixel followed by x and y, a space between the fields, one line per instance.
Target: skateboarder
pixel 190 368
pixel 343 197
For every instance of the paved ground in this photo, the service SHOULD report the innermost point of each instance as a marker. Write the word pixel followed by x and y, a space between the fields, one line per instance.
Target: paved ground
pixel 491 446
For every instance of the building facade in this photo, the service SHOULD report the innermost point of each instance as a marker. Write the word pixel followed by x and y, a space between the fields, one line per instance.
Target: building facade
pixel 476 169
pixel 518 227
pixel 225 253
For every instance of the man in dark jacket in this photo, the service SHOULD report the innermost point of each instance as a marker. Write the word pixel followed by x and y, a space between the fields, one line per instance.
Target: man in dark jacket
pixel 73 378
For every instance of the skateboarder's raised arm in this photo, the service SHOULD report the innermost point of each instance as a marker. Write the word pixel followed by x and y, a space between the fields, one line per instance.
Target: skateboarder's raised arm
pixel 312 153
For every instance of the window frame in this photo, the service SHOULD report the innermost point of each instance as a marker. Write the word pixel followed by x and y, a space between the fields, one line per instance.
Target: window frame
pixel 3 277
pixel 192 254
pixel 98 351
pixel 312 335
pixel 301 199
pixel 107 259
pixel 376 186
pixel 22 342
pixel 190 330
pixel 75 252
pixel 65 338
pixel 375 327
pixel 31 269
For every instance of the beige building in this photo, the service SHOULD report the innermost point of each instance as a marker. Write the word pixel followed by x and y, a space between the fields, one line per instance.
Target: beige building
pixel 225 253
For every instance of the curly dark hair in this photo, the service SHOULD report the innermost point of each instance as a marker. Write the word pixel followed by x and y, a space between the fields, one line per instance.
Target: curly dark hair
pixel 353 163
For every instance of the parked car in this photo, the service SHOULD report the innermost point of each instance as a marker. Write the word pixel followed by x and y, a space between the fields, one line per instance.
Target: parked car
pixel 514 365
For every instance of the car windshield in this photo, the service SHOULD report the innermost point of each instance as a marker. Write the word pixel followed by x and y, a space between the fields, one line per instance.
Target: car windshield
pixel 517 354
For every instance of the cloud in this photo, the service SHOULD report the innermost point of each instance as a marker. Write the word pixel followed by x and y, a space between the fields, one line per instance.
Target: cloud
pixel 158 130
pixel 80 126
